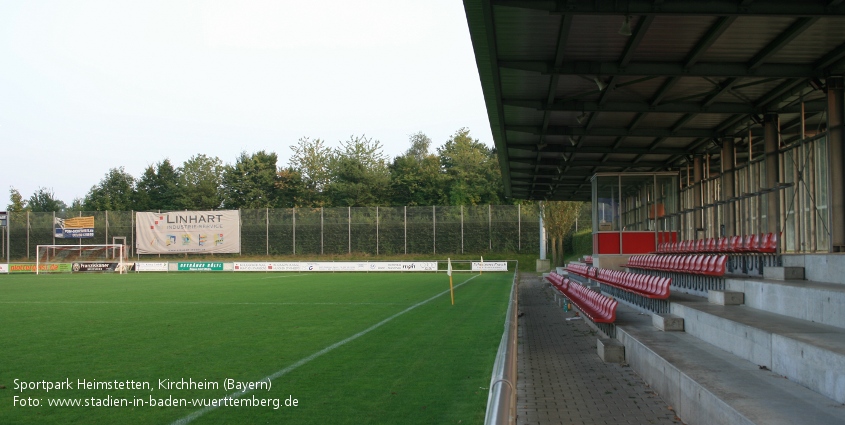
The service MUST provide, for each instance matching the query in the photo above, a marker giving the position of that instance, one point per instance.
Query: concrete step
(707, 385)
(802, 299)
(811, 354)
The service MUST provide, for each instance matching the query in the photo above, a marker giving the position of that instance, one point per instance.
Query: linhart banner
(197, 232)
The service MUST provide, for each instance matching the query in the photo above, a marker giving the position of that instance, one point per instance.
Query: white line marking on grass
(282, 372)
(184, 303)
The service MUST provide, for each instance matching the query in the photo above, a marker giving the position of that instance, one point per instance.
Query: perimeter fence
(326, 231)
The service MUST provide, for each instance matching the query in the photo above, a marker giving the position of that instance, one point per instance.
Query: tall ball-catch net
(77, 258)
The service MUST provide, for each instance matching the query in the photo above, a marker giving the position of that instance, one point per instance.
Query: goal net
(81, 258)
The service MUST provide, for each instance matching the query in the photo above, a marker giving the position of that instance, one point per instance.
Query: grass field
(349, 348)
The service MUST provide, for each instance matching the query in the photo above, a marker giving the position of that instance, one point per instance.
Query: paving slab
(562, 380)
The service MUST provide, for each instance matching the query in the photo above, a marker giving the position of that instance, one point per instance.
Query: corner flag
(449, 272)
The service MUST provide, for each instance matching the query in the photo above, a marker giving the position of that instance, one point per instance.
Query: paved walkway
(562, 380)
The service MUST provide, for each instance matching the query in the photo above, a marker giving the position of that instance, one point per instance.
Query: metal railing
(501, 398)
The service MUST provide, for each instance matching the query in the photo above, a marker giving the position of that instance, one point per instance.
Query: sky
(90, 85)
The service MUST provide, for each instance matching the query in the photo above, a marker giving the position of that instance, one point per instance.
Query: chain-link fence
(324, 231)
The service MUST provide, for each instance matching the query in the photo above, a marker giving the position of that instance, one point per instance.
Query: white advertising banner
(4, 268)
(188, 232)
(150, 267)
(251, 267)
(490, 266)
(337, 266)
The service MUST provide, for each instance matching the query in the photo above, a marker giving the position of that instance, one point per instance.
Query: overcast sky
(87, 85)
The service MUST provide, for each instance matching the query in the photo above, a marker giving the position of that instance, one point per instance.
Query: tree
(251, 181)
(200, 181)
(311, 159)
(44, 200)
(473, 171)
(416, 177)
(78, 205)
(17, 203)
(290, 188)
(559, 219)
(158, 188)
(115, 192)
(360, 174)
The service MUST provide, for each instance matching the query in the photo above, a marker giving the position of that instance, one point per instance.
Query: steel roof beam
(682, 7)
(645, 107)
(666, 69)
(621, 131)
(567, 148)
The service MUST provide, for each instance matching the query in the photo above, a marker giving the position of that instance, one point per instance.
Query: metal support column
(697, 176)
(835, 121)
(771, 143)
(728, 185)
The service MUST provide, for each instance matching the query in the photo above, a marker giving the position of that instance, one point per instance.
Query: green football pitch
(292, 348)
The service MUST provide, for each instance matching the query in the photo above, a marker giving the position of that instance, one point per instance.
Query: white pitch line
(282, 372)
(183, 303)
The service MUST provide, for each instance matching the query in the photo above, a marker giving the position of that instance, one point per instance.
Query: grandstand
(709, 138)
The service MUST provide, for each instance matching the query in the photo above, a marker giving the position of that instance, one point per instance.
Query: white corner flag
(449, 272)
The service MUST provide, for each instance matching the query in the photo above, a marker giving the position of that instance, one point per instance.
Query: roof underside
(568, 96)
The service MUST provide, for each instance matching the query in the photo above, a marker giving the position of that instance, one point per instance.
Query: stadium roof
(570, 94)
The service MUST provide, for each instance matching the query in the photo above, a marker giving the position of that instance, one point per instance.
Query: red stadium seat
(722, 245)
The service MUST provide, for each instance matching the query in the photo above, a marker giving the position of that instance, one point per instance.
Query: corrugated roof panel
(577, 88)
(525, 34)
(564, 118)
(641, 88)
(616, 119)
(691, 89)
(745, 38)
(670, 38)
(519, 84)
(522, 116)
(811, 45)
(705, 121)
(660, 120)
(596, 38)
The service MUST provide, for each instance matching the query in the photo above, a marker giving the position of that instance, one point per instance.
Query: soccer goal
(81, 258)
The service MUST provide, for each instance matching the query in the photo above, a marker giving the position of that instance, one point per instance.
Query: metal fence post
(462, 229)
(293, 212)
(519, 227)
(433, 230)
(377, 233)
(321, 230)
(349, 221)
(406, 230)
(267, 228)
(489, 227)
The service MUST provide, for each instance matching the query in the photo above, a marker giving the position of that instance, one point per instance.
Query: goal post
(81, 258)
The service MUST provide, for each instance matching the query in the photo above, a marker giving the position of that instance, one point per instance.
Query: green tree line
(463, 171)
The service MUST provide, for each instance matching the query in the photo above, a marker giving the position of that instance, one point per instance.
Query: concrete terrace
(775, 355)
(563, 381)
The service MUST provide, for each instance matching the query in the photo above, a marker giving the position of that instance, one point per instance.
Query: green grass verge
(430, 364)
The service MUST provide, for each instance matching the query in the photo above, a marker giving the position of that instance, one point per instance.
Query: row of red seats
(588, 259)
(655, 287)
(766, 243)
(597, 307)
(582, 270)
(708, 265)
